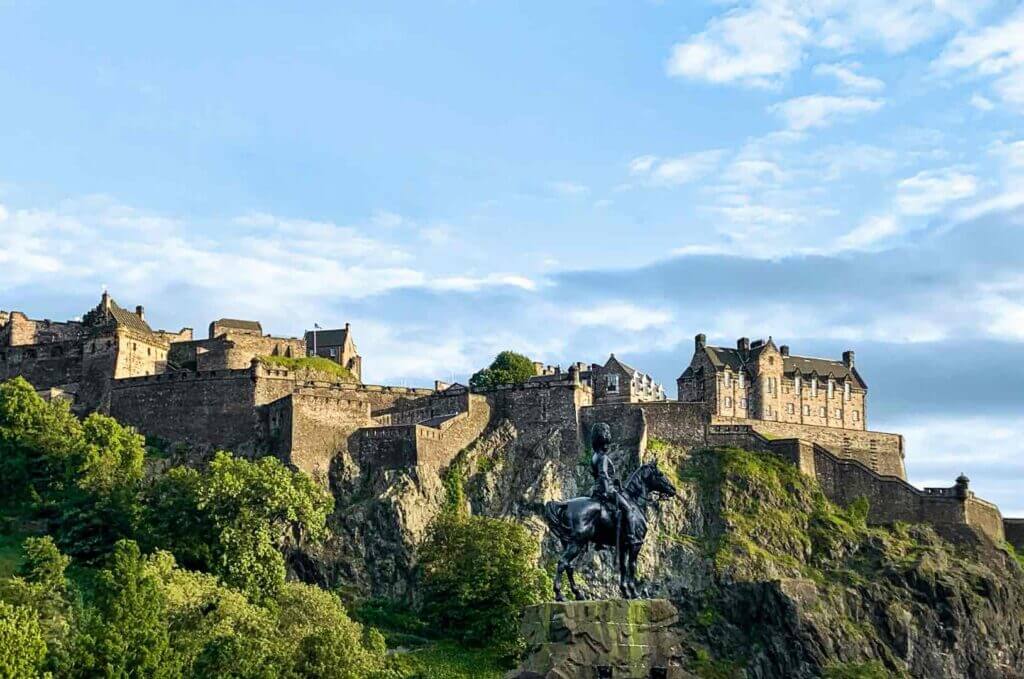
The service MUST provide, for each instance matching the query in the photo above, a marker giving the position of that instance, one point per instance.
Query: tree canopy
(508, 367)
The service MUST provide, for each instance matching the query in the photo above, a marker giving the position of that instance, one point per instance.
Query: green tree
(22, 647)
(129, 632)
(508, 367)
(36, 439)
(235, 518)
(100, 502)
(478, 574)
(328, 644)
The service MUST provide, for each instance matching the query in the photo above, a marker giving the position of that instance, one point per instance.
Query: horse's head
(655, 480)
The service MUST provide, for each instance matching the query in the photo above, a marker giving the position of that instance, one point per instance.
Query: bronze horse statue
(622, 525)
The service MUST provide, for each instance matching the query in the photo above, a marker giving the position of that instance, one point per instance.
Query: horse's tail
(554, 515)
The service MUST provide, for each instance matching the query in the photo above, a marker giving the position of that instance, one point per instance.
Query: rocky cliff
(770, 579)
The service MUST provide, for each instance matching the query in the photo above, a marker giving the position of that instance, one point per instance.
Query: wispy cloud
(995, 51)
(847, 76)
(930, 191)
(821, 110)
(569, 188)
(675, 170)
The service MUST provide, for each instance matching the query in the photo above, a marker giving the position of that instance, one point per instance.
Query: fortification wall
(310, 429)
(879, 451)
(139, 354)
(1014, 531)
(539, 409)
(20, 330)
(680, 423)
(211, 410)
(411, 411)
(628, 425)
(44, 366)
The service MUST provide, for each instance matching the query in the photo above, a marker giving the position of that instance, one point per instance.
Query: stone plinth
(584, 639)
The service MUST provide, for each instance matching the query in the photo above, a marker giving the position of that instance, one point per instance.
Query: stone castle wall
(308, 429)
(20, 330)
(1014, 530)
(879, 451)
(44, 367)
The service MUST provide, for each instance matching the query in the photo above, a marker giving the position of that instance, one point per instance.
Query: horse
(582, 521)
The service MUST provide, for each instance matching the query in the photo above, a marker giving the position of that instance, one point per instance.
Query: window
(846, 391)
(807, 410)
(612, 382)
(814, 388)
(856, 416)
(743, 403)
(790, 408)
(725, 378)
(839, 413)
(831, 388)
(822, 413)
(135, 346)
(739, 380)
(149, 351)
(728, 401)
(796, 384)
(333, 352)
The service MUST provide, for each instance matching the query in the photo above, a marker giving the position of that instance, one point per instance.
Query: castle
(222, 392)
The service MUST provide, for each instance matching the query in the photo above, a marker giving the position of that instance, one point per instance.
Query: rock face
(581, 638)
(768, 578)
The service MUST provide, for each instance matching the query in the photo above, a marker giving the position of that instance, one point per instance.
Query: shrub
(478, 575)
(508, 367)
(22, 648)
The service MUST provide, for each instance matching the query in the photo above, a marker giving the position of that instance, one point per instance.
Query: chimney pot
(700, 341)
(140, 311)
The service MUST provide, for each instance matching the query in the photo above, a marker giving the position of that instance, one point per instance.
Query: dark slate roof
(128, 319)
(629, 369)
(327, 338)
(240, 324)
(734, 359)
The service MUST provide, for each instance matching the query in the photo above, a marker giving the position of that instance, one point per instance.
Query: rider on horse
(606, 484)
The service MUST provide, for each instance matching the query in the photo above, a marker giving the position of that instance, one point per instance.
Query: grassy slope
(312, 364)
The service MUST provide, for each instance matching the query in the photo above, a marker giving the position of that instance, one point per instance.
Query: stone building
(232, 344)
(616, 382)
(759, 381)
(78, 359)
(336, 345)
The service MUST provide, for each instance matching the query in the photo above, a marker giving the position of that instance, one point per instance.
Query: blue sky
(565, 179)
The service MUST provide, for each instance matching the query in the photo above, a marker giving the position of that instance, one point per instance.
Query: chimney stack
(848, 358)
(140, 312)
(784, 350)
(105, 301)
(743, 344)
(700, 341)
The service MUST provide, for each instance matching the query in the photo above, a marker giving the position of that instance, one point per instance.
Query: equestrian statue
(614, 515)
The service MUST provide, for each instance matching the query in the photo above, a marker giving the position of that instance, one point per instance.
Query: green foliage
(447, 660)
(508, 367)
(234, 518)
(36, 438)
(454, 479)
(478, 575)
(310, 364)
(129, 634)
(22, 648)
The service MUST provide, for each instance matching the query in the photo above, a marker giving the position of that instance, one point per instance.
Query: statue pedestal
(616, 638)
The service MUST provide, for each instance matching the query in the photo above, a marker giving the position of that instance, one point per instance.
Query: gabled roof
(252, 326)
(327, 338)
(128, 319)
(735, 359)
(629, 369)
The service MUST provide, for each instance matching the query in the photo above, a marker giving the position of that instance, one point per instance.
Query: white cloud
(752, 46)
(621, 315)
(678, 170)
(758, 43)
(928, 192)
(994, 51)
(474, 283)
(753, 172)
(869, 232)
(982, 103)
(846, 74)
(569, 189)
(820, 110)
